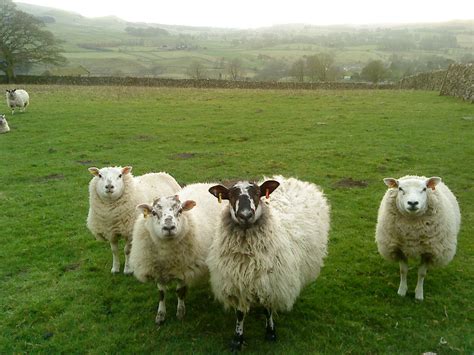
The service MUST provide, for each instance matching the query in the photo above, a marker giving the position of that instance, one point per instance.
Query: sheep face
(412, 194)
(244, 198)
(11, 94)
(164, 218)
(110, 185)
(3, 120)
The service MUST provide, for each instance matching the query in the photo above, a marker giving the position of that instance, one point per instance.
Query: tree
(24, 42)
(297, 70)
(196, 71)
(318, 66)
(235, 69)
(374, 71)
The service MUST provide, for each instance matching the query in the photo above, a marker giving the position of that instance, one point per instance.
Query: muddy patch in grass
(351, 183)
(183, 156)
(51, 177)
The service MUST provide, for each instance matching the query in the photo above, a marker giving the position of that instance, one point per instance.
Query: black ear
(220, 192)
(268, 187)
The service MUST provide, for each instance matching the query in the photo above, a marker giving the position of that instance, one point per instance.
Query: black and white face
(2, 120)
(11, 94)
(244, 199)
(164, 218)
(412, 194)
(110, 185)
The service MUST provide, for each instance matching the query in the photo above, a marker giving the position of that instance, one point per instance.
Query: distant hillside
(112, 46)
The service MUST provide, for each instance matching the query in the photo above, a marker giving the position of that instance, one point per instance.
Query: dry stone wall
(189, 83)
(459, 82)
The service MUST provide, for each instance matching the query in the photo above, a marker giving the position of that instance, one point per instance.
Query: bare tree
(319, 66)
(235, 69)
(297, 70)
(196, 70)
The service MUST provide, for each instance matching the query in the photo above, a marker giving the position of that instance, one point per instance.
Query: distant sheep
(17, 98)
(266, 250)
(4, 128)
(113, 196)
(171, 241)
(418, 218)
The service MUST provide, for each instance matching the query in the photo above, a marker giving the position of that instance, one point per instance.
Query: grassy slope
(57, 293)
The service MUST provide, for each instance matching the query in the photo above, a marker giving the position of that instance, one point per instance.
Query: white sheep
(114, 194)
(4, 128)
(266, 251)
(418, 218)
(171, 241)
(17, 98)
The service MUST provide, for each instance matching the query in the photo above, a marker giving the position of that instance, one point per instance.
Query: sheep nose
(168, 228)
(412, 203)
(109, 187)
(245, 214)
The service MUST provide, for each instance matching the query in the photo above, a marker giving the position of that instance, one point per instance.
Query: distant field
(57, 294)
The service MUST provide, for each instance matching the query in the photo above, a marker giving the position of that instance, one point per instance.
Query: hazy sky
(260, 13)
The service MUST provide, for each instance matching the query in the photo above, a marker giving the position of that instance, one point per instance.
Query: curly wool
(183, 258)
(108, 219)
(433, 233)
(270, 262)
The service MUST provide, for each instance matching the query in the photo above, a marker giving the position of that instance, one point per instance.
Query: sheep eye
(424, 189)
(153, 213)
(400, 189)
(120, 176)
(100, 176)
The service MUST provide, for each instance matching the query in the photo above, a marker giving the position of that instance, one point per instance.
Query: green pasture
(57, 294)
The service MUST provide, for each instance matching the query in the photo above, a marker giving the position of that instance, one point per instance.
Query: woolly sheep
(114, 194)
(4, 128)
(17, 98)
(418, 218)
(266, 251)
(171, 241)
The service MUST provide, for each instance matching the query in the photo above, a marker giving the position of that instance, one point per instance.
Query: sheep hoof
(419, 296)
(402, 291)
(128, 270)
(270, 335)
(160, 318)
(237, 343)
(115, 270)
(181, 311)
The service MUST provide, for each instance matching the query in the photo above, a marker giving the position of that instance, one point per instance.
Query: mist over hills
(112, 46)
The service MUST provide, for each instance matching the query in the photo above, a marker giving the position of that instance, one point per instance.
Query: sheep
(4, 128)
(171, 240)
(17, 98)
(114, 194)
(266, 251)
(418, 218)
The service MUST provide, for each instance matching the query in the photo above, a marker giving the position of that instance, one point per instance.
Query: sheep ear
(391, 182)
(220, 191)
(188, 205)
(432, 182)
(145, 209)
(268, 187)
(94, 171)
(126, 170)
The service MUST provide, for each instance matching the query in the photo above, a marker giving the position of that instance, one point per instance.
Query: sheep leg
(238, 340)
(115, 255)
(161, 314)
(128, 246)
(270, 333)
(421, 278)
(402, 289)
(181, 290)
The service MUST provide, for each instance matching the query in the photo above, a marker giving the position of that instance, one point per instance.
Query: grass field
(57, 294)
